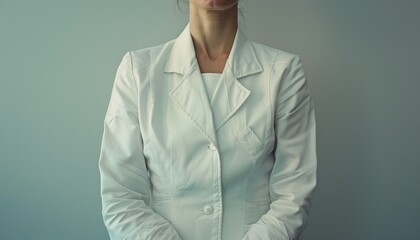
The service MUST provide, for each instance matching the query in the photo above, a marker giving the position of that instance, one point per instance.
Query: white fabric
(174, 165)
(210, 82)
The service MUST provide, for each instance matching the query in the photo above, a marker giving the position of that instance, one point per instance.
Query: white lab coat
(175, 164)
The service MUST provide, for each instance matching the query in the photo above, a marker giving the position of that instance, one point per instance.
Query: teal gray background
(57, 65)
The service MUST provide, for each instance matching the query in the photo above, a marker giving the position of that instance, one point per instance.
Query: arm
(293, 177)
(125, 185)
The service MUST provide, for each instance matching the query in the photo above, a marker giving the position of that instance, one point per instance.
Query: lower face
(214, 4)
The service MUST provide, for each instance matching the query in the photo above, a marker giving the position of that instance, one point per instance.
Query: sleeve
(125, 185)
(293, 177)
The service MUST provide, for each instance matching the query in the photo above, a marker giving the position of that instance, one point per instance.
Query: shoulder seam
(132, 72)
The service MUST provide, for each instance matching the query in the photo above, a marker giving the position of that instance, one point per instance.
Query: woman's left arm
(293, 177)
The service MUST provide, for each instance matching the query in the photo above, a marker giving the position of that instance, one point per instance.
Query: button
(212, 147)
(208, 210)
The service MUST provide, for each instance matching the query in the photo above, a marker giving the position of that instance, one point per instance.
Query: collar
(242, 58)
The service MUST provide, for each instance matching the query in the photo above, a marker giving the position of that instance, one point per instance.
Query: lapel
(190, 94)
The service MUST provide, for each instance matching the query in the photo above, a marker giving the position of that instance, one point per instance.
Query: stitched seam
(273, 109)
(201, 130)
(132, 74)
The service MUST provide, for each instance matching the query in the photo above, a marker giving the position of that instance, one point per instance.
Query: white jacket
(176, 165)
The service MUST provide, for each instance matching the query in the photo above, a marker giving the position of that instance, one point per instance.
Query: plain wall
(57, 65)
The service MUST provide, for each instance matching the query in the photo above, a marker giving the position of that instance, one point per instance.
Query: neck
(213, 32)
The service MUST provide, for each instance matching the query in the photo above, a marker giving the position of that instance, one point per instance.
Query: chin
(215, 4)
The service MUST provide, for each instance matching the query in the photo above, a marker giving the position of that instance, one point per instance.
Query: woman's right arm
(125, 185)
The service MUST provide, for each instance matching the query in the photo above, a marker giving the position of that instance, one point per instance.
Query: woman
(208, 136)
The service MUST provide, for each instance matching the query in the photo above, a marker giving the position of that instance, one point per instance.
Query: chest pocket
(253, 145)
